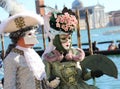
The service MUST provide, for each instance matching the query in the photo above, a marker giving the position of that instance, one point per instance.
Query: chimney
(38, 9)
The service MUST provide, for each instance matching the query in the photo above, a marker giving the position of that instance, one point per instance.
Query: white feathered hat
(20, 18)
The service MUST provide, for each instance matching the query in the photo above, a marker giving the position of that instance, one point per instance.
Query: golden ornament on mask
(20, 23)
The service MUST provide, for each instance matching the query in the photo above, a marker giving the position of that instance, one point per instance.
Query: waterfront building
(114, 18)
(97, 17)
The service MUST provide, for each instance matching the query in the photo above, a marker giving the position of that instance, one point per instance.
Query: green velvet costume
(64, 62)
(70, 76)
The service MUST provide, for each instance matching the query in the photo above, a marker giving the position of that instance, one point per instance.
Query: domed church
(77, 4)
(97, 16)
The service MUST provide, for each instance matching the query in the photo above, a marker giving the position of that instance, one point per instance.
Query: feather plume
(11, 6)
(49, 9)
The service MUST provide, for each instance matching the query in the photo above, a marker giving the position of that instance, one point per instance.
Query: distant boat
(112, 32)
(104, 52)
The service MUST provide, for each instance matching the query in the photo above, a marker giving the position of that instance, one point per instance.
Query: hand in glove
(54, 83)
(96, 73)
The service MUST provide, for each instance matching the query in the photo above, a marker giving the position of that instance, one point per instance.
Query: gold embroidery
(72, 80)
(17, 51)
(37, 82)
(20, 23)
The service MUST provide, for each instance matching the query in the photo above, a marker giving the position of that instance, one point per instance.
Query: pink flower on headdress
(66, 22)
(57, 25)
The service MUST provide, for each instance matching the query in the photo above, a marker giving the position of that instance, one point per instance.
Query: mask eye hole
(63, 38)
(69, 38)
(29, 34)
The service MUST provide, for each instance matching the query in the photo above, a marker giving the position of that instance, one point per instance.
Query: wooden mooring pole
(78, 28)
(43, 36)
(3, 48)
(41, 11)
(89, 39)
(88, 28)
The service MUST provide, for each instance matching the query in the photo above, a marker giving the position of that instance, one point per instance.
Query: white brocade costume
(17, 73)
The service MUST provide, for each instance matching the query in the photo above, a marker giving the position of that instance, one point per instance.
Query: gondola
(104, 52)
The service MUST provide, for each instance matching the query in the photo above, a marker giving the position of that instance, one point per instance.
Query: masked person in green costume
(62, 61)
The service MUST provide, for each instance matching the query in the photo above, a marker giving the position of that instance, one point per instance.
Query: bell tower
(38, 9)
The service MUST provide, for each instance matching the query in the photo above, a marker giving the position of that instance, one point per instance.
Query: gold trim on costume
(37, 83)
(18, 51)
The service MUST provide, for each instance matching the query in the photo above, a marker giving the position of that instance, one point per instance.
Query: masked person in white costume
(62, 61)
(23, 67)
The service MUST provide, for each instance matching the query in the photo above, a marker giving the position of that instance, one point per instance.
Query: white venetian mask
(30, 37)
(65, 41)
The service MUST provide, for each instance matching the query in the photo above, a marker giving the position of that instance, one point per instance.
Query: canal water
(98, 35)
